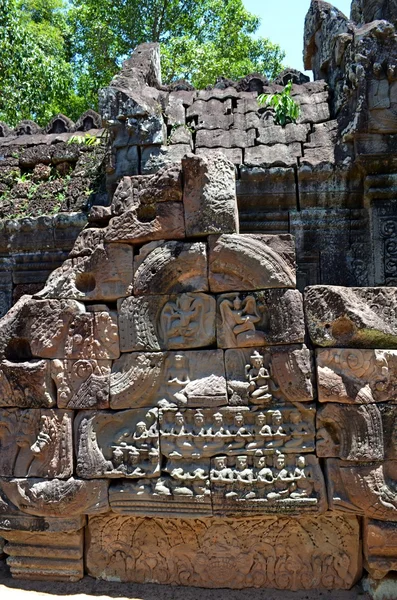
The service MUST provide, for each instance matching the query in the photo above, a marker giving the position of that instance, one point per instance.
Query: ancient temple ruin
(200, 387)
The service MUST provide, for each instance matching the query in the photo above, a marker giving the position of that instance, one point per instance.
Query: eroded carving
(117, 444)
(36, 443)
(82, 384)
(308, 553)
(380, 542)
(26, 384)
(93, 335)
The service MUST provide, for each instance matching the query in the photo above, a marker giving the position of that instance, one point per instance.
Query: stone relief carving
(82, 384)
(56, 497)
(283, 553)
(267, 482)
(367, 489)
(93, 335)
(203, 433)
(259, 318)
(172, 267)
(135, 379)
(26, 384)
(117, 444)
(355, 376)
(167, 322)
(380, 541)
(36, 443)
(261, 376)
(251, 262)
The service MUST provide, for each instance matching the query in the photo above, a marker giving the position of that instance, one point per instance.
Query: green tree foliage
(56, 54)
(36, 76)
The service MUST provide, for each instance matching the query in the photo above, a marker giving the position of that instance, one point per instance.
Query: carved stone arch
(89, 120)
(5, 131)
(60, 124)
(27, 127)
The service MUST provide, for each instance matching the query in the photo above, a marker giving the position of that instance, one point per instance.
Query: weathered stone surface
(275, 134)
(92, 335)
(167, 322)
(366, 489)
(106, 274)
(261, 318)
(209, 195)
(366, 11)
(278, 155)
(189, 378)
(154, 158)
(232, 138)
(117, 444)
(267, 483)
(379, 545)
(26, 384)
(82, 384)
(45, 556)
(251, 262)
(233, 155)
(233, 431)
(357, 432)
(353, 376)
(145, 219)
(260, 190)
(352, 317)
(265, 377)
(320, 552)
(36, 443)
(56, 497)
(171, 268)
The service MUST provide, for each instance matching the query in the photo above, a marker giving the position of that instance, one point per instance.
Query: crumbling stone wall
(173, 407)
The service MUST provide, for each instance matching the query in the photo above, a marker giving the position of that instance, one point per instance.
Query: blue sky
(282, 22)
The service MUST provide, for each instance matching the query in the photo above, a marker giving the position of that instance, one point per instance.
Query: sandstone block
(209, 195)
(93, 335)
(278, 155)
(36, 443)
(106, 274)
(266, 318)
(260, 190)
(233, 155)
(154, 158)
(365, 489)
(290, 134)
(352, 317)
(117, 444)
(167, 322)
(267, 483)
(189, 378)
(233, 431)
(226, 553)
(45, 556)
(144, 219)
(353, 376)
(251, 262)
(171, 268)
(26, 384)
(263, 377)
(56, 497)
(379, 545)
(356, 432)
(232, 138)
(82, 384)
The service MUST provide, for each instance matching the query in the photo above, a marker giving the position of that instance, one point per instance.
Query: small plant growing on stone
(286, 110)
(85, 140)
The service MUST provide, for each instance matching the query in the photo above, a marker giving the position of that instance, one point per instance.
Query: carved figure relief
(117, 444)
(203, 433)
(355, 376)
(152, 323)
(283, 553)
(267, 482)
(36, 443)
(26, 384)
(242, 321)
(93, 335)
(261, 377)
(82, 384)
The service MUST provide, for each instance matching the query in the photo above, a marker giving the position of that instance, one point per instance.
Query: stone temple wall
(175, 407)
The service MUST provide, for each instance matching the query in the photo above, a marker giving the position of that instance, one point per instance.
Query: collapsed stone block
(380, 542)
(172, 267)
(353, 376)
(251, 262)
(36, 443)
(117, 444)
(260, 318)
(365, 489)
(352, 317)
(209, 195)
(167, 322)
(45, 556)
(189, 378)
(264, 377)
(232, 553)
(57, 498)
(26, 384)
(82, 384)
